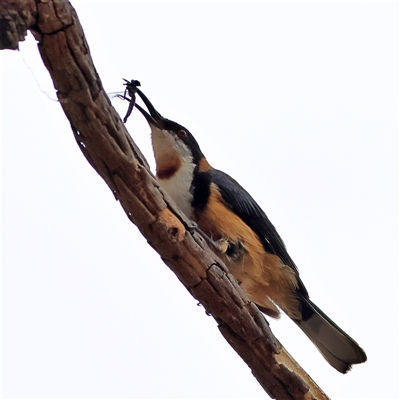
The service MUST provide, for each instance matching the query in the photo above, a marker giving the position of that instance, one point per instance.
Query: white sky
(297, 101)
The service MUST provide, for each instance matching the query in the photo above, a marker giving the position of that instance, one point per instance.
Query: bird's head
(173, 144)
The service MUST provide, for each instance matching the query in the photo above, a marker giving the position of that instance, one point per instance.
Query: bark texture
(106, 144)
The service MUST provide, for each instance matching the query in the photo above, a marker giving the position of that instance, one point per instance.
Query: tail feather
(337, 347)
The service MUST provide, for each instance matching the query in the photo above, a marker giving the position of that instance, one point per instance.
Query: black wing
(242, 204)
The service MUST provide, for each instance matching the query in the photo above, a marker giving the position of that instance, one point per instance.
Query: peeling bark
(106, 144)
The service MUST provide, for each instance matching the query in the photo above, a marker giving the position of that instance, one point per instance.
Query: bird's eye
(182, 133)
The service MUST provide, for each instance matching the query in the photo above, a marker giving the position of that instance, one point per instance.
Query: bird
(247, 241)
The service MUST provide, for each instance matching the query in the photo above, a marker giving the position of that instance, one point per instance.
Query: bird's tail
(338, 348)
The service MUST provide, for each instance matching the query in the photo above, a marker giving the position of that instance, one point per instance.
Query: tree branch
(106, 144)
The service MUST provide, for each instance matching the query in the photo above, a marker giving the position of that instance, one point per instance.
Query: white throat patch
(178, 187)
(166, 148)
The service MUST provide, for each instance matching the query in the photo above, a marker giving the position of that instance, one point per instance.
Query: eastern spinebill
(249, 244)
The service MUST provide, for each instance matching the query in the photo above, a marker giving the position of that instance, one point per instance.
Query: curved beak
(154, 118)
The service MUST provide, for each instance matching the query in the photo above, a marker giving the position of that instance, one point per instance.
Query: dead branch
(106, 144)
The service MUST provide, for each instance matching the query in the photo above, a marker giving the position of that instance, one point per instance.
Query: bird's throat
(168, 168)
